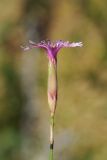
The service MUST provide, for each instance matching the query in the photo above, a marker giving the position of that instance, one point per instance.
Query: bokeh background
(81, 116)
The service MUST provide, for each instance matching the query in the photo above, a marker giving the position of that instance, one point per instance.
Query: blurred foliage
(82, 74)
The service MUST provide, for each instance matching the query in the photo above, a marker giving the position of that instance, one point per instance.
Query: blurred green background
(81, 115)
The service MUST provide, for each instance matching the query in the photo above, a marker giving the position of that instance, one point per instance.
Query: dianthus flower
(52, 48)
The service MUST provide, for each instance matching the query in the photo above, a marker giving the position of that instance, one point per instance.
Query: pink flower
(51, 48)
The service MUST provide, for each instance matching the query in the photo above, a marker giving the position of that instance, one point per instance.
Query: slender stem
(52, 100)
(51, 138)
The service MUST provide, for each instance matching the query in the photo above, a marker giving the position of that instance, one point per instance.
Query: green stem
(51, 138)
(52, 100)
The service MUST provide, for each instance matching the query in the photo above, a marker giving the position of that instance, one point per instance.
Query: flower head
(51, 48)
